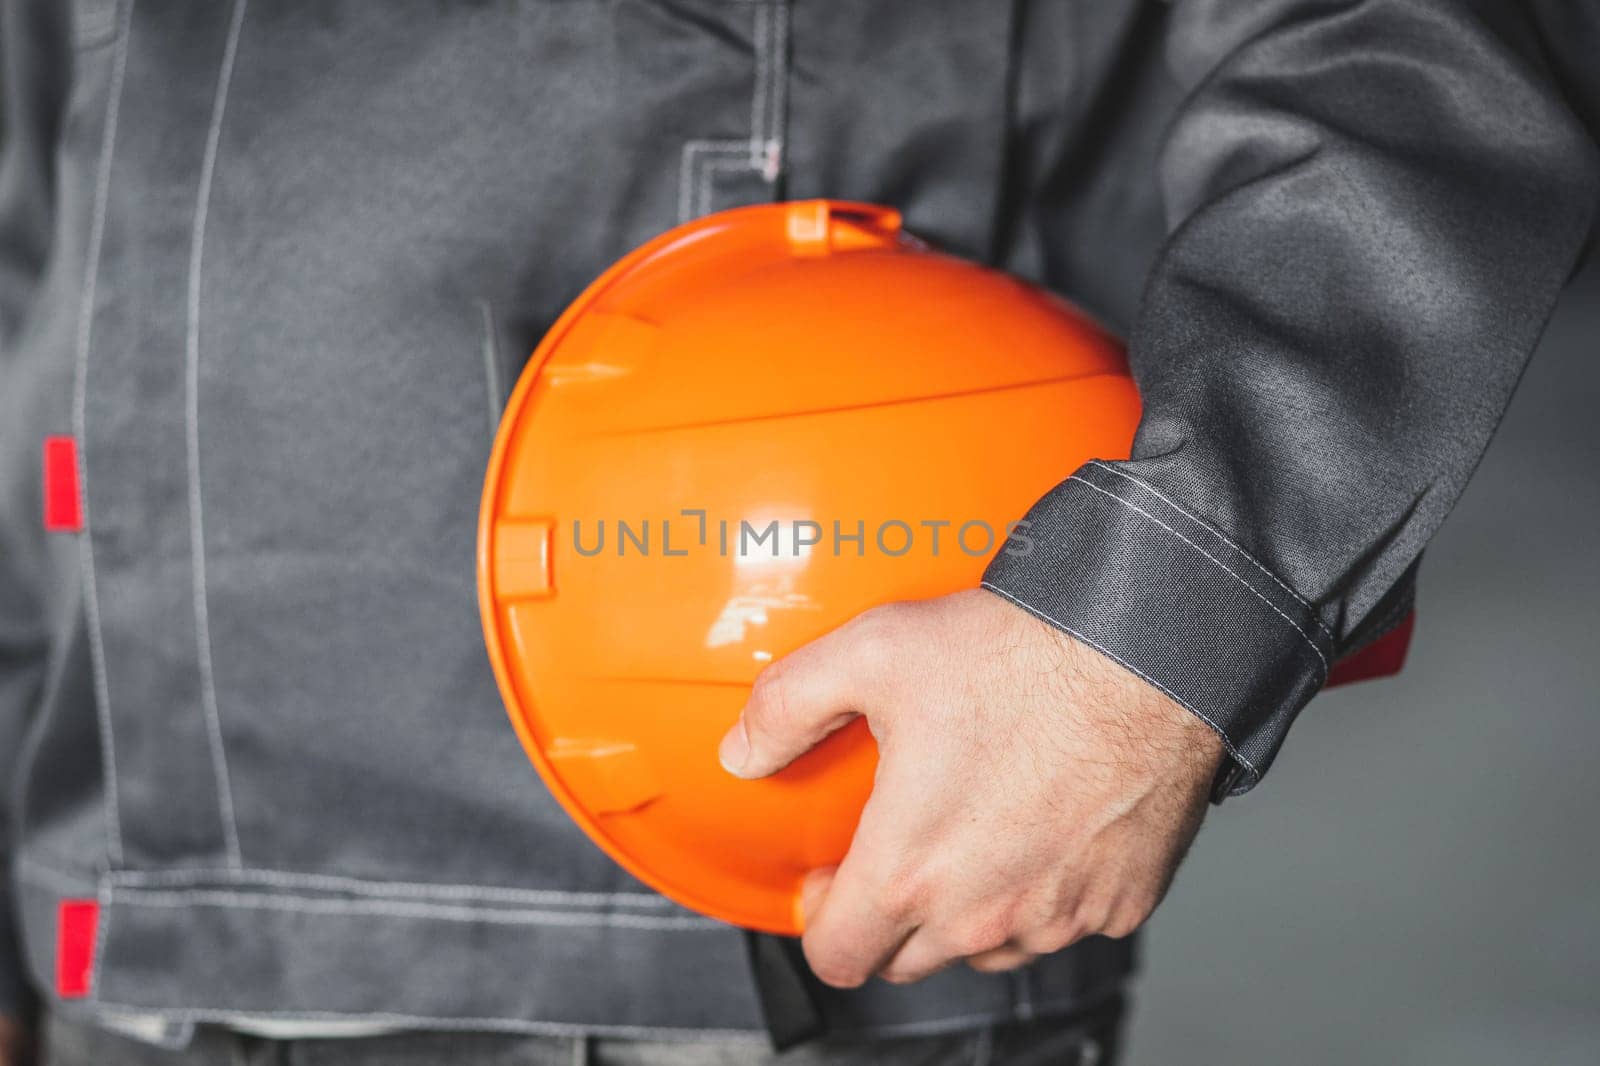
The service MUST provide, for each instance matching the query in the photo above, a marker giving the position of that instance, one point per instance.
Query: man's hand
(1030, 791)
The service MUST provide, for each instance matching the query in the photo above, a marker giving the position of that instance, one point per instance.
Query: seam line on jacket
(567, 1029)
(103, 893)
(416, 889)
(80, 420)
(777, 128)
(762, 150)
(759, 20)
(191, 412)
(691, 176)
(1220, 536)
(1120, 661)
(444, 1022)
(1323, 659)
(770, 34)
(491, 366)
(407, 909)
(68, 881)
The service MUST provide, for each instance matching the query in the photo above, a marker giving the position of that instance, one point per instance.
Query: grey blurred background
(1418, 879)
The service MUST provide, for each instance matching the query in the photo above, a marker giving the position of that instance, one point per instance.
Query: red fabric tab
(77, 921)
(61, 510)
(1382, 658)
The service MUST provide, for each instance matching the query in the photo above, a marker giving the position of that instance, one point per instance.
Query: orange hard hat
(740, 436)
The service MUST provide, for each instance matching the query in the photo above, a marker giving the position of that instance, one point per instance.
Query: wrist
(1119, 566)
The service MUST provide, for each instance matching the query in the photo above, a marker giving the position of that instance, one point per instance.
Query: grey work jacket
(269, 266)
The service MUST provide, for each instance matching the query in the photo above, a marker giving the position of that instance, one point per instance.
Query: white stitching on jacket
(1221, 536)
(780, 96)
(759, 29)
(102, 925)
(1119, 660)
(97, 230)
(762, 151)
(70, 883)
(413, 889)
(690, 176)
(564, 1029)
(1253, 591)
(491, 366)
(770, 34)
(423, 1021)
(191, 413)
(400, 909)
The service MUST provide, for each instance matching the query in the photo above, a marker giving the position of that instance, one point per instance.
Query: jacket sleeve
(33, 74)
(1372, 206)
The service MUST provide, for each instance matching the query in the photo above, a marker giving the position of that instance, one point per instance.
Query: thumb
(795, 703)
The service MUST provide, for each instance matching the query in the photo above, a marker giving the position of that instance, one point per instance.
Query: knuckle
(769, 695)
(982, 933)
(875, 640)
(901, 892)
(872, 659)
(1125, 921)
(1094, 917)
(1057, 935)
(1061, 930)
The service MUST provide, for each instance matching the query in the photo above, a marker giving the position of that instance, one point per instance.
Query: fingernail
(735, 749)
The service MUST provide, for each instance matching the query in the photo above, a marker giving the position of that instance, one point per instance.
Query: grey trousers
(1075, 1041)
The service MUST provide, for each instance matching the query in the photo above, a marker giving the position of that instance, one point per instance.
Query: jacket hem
(243, 955)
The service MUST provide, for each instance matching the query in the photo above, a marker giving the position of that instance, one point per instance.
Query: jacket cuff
(1121, 567)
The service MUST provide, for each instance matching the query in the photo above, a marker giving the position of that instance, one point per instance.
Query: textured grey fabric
(274, 263)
